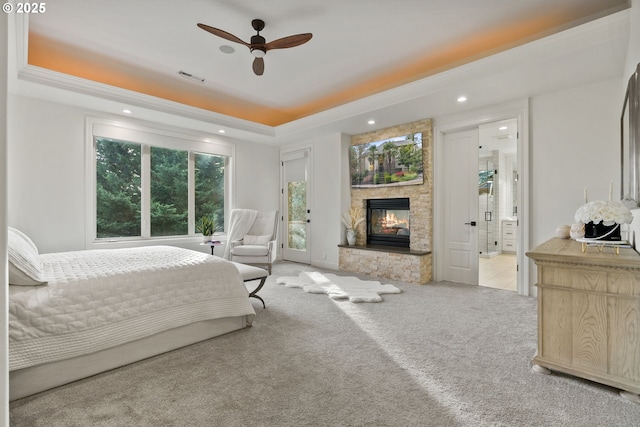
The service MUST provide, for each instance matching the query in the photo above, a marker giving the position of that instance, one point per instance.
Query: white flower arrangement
(352, 218)
(608, 212)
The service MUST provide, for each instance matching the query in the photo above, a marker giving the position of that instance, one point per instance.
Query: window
(209, 187)
(169, 192)
(154, 185)
(117, 189)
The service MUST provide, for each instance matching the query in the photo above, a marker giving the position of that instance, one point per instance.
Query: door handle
(471, 223)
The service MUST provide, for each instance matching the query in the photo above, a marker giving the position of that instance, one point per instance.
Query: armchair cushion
(250, 239)
(250, 250)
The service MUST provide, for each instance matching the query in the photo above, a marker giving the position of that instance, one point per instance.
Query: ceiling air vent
(191, 77)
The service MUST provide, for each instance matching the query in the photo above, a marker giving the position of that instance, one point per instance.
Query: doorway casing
(518, 110)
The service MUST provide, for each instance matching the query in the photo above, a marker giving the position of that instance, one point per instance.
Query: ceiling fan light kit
(258, 46)
(258, 53)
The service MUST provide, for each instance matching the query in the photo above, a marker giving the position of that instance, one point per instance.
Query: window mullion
(145, 182)
(191, 202)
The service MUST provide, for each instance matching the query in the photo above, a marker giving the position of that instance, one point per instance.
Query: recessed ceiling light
(222, 131)
(127, 111)
(462, 99)
(226, 49)
(372, 122)
(503, 128)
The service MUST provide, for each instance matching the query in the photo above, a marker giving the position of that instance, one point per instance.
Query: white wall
(46, 173)
(574, 144)
(4, 306)
(46, 183)
(257, 176)
(327, 179)
(633, 52)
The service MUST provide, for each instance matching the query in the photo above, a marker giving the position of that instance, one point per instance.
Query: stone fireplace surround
(413, 265)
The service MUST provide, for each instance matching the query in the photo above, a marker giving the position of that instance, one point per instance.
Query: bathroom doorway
(497, 204)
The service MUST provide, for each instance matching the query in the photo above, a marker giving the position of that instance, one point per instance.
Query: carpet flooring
(437, 355)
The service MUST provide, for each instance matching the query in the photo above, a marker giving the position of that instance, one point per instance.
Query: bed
(76, 314)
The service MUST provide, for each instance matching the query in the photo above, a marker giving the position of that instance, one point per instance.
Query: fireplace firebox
(388, 222)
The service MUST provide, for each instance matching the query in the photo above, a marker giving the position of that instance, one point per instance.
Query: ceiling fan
(258, 45)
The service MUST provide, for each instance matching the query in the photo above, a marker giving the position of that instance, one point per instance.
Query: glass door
(497, 197)
(296, 206)
(487, 234)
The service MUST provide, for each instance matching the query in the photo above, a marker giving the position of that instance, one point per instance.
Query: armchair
(257, 246)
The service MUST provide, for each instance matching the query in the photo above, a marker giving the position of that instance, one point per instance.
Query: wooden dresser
(589, 313)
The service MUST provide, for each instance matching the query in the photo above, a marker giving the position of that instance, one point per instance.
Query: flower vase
(351, 236)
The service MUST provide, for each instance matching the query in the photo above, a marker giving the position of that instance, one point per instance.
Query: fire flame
(391, 220)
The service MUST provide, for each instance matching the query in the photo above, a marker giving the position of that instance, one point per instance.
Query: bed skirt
(35, 379)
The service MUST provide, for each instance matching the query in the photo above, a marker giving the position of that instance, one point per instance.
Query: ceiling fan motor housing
(257, 46)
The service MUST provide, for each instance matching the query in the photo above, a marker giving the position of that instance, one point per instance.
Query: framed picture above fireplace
(388, 162)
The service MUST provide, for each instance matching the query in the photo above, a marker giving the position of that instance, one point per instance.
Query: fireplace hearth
(388, 222)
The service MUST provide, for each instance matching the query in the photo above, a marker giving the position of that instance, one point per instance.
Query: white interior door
(295, 206)
(461, 206)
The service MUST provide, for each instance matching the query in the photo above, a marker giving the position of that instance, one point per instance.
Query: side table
(212, 244)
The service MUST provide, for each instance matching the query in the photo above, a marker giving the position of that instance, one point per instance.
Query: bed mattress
(99, 299)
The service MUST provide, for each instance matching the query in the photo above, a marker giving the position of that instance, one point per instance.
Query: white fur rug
(338, 287)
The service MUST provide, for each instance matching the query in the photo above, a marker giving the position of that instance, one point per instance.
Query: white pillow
(257, 240)
(24, 261)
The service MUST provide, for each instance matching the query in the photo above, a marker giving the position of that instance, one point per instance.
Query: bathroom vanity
(509, 237)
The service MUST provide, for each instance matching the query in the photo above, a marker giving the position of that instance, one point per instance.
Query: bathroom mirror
(630, 142)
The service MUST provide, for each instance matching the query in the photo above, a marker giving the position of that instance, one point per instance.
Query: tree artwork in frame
(390, 162)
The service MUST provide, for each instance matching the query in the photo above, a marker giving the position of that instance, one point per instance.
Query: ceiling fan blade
(220, 33)
(290, 41)
(258, 66)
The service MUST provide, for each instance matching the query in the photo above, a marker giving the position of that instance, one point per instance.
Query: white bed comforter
(98, 299)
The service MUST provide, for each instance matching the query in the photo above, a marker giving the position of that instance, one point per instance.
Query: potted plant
(206, 227)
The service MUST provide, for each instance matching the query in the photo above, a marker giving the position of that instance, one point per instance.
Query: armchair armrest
(273, 250)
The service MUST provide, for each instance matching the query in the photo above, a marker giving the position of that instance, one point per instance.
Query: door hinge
(282, 245)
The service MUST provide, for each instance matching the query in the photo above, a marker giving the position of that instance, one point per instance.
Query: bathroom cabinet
(509, 228)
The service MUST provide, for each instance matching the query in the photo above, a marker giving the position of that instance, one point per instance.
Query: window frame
(158, 136)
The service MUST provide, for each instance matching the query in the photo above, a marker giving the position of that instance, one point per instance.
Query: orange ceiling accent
(448, 57)
(47, 53)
